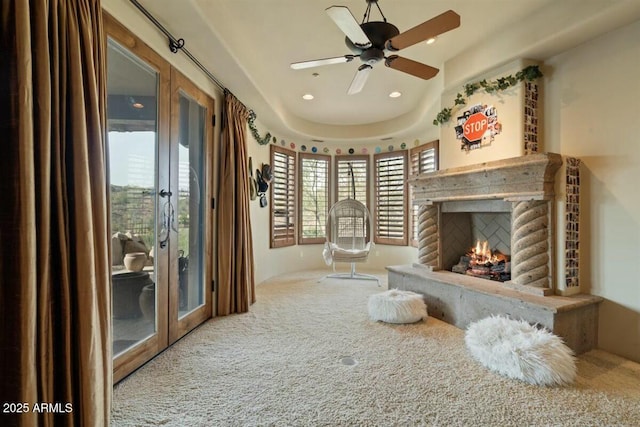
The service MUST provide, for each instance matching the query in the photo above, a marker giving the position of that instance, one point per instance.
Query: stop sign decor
(475, 126)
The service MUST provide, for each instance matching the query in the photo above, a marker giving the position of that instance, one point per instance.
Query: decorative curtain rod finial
(175, 45)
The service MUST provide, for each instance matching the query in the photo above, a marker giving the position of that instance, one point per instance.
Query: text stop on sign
(475, 126)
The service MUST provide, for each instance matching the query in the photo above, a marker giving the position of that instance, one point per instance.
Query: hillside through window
(314, 197)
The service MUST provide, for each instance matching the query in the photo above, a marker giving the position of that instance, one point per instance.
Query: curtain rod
(178, 44)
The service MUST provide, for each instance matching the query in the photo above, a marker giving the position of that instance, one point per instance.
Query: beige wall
(509, 105)
(592, 111)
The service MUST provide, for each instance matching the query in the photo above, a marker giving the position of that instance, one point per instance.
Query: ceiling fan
(370, 40)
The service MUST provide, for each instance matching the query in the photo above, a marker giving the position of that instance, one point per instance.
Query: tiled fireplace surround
(518, 196)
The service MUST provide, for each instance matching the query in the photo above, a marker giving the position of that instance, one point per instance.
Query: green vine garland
(529, 73)
(254, 130)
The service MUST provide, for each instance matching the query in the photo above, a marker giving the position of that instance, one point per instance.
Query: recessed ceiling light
(395, 94)
(134, 103)
(307, 96)
(432, 40)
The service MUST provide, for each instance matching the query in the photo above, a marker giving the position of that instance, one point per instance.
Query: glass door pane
(133, 147)
(190, 209)
(190, 296)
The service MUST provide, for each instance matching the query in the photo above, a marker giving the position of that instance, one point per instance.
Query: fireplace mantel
(529, 177)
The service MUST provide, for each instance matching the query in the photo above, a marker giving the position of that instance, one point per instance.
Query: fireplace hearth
(460, 299)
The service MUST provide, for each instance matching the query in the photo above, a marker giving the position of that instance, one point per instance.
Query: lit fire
(481, 254)
(483, 263)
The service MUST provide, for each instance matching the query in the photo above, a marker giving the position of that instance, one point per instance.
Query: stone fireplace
(521, 189)
(509, 203)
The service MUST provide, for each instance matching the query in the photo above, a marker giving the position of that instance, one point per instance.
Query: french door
(160, 133)
(190, 230)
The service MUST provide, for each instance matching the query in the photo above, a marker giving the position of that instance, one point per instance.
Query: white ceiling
(249, 44)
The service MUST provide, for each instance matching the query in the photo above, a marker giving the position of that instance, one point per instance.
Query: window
(344, 183)
(390, 198)
(424, 158)
(283, 195)
(314, 197)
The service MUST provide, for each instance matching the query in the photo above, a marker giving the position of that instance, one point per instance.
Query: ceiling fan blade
(343, 18)
(319, 62)
(433, 27)
(412, 67)
(359, 79)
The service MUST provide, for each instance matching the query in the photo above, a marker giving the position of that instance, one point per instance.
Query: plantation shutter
(390, 198)
(283, 203)
(344, 188)
(314, 197)
(424, 159)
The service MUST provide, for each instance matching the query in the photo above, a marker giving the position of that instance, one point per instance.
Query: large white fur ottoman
(518, 350)
(394, 306)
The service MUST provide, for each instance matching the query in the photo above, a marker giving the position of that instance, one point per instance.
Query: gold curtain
(55, 301)
(236, 288)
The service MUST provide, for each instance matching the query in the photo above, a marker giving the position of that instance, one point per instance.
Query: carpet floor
(307, 355)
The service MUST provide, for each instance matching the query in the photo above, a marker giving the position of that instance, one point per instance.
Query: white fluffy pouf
(394, 306)
(518, 350)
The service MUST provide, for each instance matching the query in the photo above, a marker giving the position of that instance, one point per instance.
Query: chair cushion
(518, 350)
(339, 254)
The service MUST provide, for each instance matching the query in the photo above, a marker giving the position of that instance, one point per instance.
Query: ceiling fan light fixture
(370, 40)
(307, 97)
(395, 94)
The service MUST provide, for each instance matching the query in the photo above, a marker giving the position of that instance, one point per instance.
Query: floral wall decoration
(477, 127)
(528, 74)
(254, 131)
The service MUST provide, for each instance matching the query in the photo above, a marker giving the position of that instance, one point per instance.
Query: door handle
(168, 218)
(167, 223)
